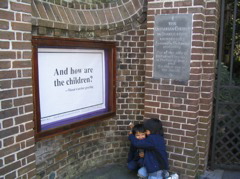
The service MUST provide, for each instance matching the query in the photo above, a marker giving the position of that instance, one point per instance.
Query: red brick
(154, 104)
(22, 82)
(27, 73)
(60, 156)
(177, 119)
(169, 11)
(6, 84)
(175, 143)
(8, 141)
(205, 107)
(21, 45)
(190, 114)
(63, 14)
(27, 36)
(21, 26)
(26, 169)
(165, 99)
(21, 7)
(31, 158)
(184, 3)
(27, 55)
(30, 142)
(192, 89)
(9, 159)
(7, 35)
(26, 152)
(7, 15)
(183, 10)
(188, 139)
(165, 93)
(8, 168)
(41, 9)
(178, 94)
(26, 18)
(8, 132)
(166, 87)
(7, 123)
(4, 25)
(22, 64)
(176, 131)
(28, 91)
(22, 101)
(178, 107)
(7, 74)
(8, 113)
(9, 150)
(164, 105)
(31, 174)
(4, 4)
(178, 157)
(8, 94)
(23, 119)
(189, 127)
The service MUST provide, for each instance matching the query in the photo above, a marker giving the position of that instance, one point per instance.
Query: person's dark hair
(154, 125)
(138, 128)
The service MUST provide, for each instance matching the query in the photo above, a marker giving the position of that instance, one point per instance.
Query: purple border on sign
(87, 115)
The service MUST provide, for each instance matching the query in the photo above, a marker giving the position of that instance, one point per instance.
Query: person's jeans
(156, 175)
(160, 174)
(142, 172)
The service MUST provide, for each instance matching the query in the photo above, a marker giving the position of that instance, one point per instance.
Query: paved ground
(115, 171)
(221, 174)
(109, 172)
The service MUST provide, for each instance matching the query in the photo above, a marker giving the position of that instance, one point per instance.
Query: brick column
(207, 79)
(17, 145)
(185, 109)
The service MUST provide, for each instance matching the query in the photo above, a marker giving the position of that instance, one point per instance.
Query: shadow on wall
(80, 151)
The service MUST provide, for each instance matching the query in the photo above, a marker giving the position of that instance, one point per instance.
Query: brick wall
(208, 75)
(103, 142)
(185, 109)
(17, 158)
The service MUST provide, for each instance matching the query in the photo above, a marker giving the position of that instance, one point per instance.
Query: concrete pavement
(113, 171)
(116, 171)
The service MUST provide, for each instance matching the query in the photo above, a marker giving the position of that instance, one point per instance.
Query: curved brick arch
(86, 4)
(92, 20)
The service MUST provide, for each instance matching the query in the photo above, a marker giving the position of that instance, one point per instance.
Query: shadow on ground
(113, 171)
(221, 174)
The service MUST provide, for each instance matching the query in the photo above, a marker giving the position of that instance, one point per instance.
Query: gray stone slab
(172, 46)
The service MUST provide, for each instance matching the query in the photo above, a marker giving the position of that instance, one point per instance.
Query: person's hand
(141, 154)
(131, 125)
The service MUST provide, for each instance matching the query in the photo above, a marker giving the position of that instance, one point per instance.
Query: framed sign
(74, 83)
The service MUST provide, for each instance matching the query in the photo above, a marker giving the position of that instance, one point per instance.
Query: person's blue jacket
(155, 156)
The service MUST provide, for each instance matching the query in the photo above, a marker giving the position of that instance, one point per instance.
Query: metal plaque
(172, 46)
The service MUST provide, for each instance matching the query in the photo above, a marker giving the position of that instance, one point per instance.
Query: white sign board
(71, 83)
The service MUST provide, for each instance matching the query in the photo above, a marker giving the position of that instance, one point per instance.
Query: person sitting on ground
(155, 165)
(136, 155)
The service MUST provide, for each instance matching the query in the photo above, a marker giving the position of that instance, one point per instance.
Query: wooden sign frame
(75, 70)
